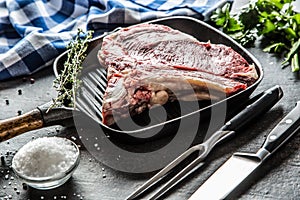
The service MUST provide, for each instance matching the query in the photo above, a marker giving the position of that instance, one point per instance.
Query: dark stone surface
(278, 178)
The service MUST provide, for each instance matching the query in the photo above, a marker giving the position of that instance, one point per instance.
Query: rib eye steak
(149, 64)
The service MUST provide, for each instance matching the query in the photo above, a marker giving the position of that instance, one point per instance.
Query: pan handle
(20, 124)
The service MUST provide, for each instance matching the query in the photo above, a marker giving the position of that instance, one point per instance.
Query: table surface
(278, 178)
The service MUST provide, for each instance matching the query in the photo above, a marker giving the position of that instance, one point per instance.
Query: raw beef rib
(150, 64)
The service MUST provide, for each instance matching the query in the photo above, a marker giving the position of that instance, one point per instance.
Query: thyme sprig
(67, 83)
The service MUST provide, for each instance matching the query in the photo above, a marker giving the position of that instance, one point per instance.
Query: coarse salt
(46, 156)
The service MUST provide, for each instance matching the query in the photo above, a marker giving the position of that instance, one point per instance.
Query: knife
(225, 182)
(257, 106)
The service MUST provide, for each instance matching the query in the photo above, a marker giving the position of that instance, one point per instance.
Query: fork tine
(185, 172)
(162, 172)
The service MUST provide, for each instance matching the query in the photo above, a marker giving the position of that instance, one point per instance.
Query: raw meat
(150, 64)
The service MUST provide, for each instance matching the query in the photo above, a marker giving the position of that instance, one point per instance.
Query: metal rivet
(273, 137)
(288, 121)
(228, 123)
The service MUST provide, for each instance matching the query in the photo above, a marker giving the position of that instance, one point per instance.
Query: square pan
(201, 31)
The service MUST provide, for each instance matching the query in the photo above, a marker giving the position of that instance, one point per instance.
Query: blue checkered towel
(34, 32)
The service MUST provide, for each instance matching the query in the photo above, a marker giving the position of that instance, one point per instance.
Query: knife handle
(284, 130)
(266, 101)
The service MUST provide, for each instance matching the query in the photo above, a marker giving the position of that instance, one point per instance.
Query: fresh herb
(272, 20)
(67, 83)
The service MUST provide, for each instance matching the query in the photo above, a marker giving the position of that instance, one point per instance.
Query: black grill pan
(94, 83)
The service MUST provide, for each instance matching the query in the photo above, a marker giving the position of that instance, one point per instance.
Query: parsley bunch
(273, 20)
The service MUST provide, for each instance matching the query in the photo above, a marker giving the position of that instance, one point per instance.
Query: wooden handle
(17, 125)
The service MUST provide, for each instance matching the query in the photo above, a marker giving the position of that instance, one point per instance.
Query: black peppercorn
(32, 80)
(2, 160)
(24, 186)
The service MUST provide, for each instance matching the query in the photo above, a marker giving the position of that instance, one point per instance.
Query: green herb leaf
(249, 18)
(67, 83)
(292, 52)
(268, 27)
(277, 47)
(273, 20)
(233, 25)
(295, 63)
(296, 17)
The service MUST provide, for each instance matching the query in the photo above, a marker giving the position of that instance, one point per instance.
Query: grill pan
(94, 81)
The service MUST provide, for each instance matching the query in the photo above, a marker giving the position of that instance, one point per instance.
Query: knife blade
(236, 170)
